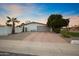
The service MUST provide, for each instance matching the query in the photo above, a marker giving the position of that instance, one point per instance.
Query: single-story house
(76, 28)
(36, 27)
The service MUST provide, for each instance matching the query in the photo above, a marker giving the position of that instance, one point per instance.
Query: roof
(35, 23)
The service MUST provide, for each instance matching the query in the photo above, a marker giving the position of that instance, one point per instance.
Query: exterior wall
(7, 30)
(31, 27)
(34, 27)
(18, 29)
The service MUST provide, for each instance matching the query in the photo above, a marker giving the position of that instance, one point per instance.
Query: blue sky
(38, 11)
(46, 8)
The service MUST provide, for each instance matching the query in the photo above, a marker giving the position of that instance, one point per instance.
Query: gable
(35, 23)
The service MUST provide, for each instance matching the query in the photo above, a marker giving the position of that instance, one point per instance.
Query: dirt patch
(19, 36)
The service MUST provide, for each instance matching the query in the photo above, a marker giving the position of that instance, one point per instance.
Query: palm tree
(13, 20)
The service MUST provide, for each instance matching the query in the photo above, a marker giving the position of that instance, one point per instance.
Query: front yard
(69, 36)
(74, 34)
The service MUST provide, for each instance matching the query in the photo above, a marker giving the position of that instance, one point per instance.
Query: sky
(39, 11)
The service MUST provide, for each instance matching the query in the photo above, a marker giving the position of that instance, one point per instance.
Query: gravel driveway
(45, 37)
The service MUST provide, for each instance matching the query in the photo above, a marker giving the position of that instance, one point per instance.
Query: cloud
(23, 12)
(32, 12)
(13, 9)
(2, 20)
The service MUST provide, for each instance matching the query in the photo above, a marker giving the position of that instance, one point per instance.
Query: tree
(56, 22)
(13, 21)
(10, 25)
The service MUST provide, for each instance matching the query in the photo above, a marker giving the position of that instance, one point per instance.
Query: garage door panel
(42, 28)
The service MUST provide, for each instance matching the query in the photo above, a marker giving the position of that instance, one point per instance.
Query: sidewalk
(38, 48)
(38, 43)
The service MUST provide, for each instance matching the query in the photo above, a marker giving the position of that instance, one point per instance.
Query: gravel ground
(19, 36)
(45, 37)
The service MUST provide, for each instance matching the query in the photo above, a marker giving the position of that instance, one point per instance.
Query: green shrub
(74, 34)
(57, 30)
(65, 33)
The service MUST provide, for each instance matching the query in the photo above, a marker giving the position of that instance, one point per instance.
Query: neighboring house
(36, 27)
(74, 28)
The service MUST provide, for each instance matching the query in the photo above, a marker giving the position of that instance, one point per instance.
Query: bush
(65, 33)
(57, 30)
(74, 34)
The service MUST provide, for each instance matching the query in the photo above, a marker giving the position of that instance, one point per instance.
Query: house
(36, 27)
(74, 29)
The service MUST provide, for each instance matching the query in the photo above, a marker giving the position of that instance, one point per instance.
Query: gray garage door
(42, 29)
